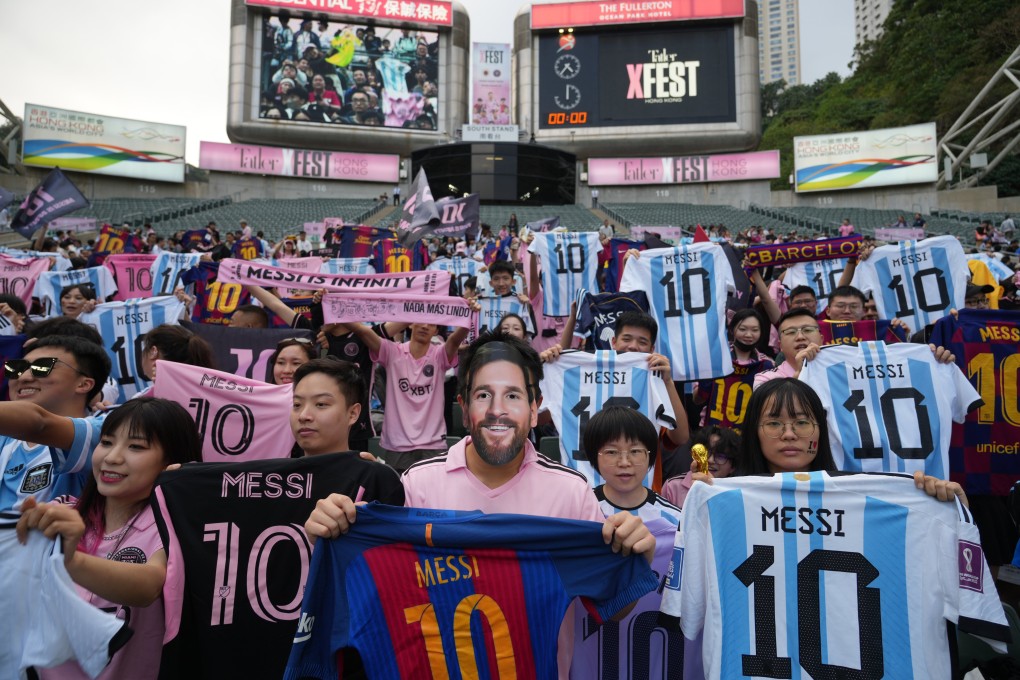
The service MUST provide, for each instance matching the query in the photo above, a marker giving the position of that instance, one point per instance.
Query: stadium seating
(688, 215)
(573, 217)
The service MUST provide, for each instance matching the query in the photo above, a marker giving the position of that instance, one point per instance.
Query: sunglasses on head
(15, 368)
(300, 341)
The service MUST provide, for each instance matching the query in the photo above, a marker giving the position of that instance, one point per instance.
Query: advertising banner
(87, 142)
(73, 224)
(490, 84)
(489, 133)
(733, 167)
(899, 234)
(669, 234)
(318, 165)
(861, 160)
(558, 15)
(677, 76)
(435, 12)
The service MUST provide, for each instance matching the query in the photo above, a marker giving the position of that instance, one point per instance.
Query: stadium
(648, 361)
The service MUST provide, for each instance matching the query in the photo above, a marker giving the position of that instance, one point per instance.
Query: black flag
(55, 196)
(548, 224)
(419, 213)
(457, 217)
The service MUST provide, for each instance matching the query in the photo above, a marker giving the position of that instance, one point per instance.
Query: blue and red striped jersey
(215, 302)
(446, 594)
(248, 248)
(852, 332)
(983, 450)
(389, 257)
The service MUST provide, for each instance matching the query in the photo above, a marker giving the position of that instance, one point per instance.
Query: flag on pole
(55, 196)
(419, 212)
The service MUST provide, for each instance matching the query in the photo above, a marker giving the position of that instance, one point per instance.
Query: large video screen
(676, 76)
(320, 71)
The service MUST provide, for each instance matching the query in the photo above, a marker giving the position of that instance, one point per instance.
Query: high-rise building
(778, 41)
(869, 15)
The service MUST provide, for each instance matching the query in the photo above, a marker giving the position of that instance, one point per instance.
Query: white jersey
(916, 281)
(123, 326)
(348, 265)
(999, 270)
(580, 384)
(48, 623)
(461, 269)
(686, 290)
(49, 285)
(822, 276)
(570, 262)
(890, 407)
(809, 575)
(168, 268)
(493, 309)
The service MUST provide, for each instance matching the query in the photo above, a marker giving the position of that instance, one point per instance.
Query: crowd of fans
(325, 72)
(57, 398)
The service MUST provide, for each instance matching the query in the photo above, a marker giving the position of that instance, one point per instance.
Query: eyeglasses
(614, 456)
(846, 307)
(15, 368)
(777, 428)
(794, 332)
(977, 303)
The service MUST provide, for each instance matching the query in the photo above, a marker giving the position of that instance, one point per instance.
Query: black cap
(974, 291)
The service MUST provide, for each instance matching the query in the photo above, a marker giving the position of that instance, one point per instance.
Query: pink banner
(432, 12)
(597, 13)
(671, 234)
(490, 84)
(318, 165)
(438, 310)
(315, 230)
(73, 224)
(252, 273)
(896, 234)
(733, 167)
(239, 418)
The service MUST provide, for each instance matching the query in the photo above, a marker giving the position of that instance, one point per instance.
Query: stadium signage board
(682, 75)
(435, 12)
(304, 163)
(734, 167)
(73, 224)
(866, 159)
(895, 235)
(490, 133)
(105, 145)
(572, 14)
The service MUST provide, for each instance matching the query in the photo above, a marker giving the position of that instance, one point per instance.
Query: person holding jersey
(112, 548)
(77, 299)
(171, 342)
(290, 355)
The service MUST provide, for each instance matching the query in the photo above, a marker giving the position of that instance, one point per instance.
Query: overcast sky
(168, 61)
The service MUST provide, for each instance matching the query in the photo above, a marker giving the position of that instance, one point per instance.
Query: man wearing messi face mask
(496, 469)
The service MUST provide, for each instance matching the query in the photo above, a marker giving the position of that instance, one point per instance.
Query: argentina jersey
(889, 407)
(822, 276)
(916, 281)
(348, 265)
(49, 285)
(123, 326)
(569, 264)
(580, 384)
(461, 269)
(493, 309)
(999, 270)
(168, 268)
(687, 288)
(812, 575)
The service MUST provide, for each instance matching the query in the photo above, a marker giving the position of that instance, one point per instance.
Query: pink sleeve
(385, 353)
(589, 507)
(443, 360)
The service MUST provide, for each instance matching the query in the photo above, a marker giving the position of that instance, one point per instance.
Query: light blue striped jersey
(811, 575)
(348, 265)
(570, 262)
(168, 268)
(495, 308)
(49, 285)
(822, 276)
(123, 326)
(916, 281)
(889, 407)
(461, 269)
(687, 288)
(580, 384)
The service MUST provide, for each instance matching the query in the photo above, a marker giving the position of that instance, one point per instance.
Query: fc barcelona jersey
(447, 594)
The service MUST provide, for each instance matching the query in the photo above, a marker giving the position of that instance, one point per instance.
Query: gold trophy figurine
(700, 455)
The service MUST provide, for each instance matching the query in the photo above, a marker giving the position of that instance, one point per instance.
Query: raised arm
(273, 304)
(32, 423)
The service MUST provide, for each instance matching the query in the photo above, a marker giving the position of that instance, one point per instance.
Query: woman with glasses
(792, 436)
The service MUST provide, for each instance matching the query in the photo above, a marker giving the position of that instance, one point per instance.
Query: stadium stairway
(383, 217)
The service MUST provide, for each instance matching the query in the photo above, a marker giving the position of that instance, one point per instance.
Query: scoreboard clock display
(677, 76)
